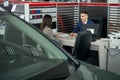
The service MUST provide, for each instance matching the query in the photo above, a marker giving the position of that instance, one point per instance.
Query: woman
(46, 25)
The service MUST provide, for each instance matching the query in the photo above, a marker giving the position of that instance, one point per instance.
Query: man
(84, 20)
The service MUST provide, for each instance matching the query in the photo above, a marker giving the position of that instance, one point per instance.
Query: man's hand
(73, 34)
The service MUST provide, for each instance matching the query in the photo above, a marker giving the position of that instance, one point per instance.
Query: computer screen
(94, 28)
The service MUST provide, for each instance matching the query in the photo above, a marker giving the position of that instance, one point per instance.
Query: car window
(15, 31)
(18, 37)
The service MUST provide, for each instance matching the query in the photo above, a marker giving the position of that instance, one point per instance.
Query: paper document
(91, 30)
(64, 35)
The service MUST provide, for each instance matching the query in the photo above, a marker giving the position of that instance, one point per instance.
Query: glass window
(15, 31)
(21, 44)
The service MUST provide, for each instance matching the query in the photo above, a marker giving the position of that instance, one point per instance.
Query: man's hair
(84, 12)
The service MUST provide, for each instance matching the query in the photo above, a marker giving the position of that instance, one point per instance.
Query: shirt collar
(85, 22)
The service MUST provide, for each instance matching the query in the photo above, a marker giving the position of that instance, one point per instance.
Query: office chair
(98, 20)
(81, 49)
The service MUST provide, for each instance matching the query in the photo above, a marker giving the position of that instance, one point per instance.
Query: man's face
(83, 17)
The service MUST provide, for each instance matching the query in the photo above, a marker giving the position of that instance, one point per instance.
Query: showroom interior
(104, 50)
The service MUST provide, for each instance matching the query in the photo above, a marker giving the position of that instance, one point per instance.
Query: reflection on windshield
(2, 27)
(23, 34)
(23, 46)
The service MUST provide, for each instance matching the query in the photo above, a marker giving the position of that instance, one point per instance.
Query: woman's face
(83, 17)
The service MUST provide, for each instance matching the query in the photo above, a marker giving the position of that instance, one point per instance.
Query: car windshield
(15, 31)
(20, 40)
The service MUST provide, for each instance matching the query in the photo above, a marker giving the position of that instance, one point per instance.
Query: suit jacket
(79, 26)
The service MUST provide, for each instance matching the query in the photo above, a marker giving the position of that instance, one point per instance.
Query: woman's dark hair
(47, 21)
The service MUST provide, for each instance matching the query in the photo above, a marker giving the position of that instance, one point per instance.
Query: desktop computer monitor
(94, 29)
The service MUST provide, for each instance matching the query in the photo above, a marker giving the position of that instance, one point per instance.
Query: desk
(100, 45)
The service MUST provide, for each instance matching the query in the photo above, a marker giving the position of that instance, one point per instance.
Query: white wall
(113, 1)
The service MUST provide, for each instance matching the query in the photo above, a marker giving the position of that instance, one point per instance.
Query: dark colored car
(28, 54)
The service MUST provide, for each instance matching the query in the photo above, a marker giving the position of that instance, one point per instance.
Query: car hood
(90, 72)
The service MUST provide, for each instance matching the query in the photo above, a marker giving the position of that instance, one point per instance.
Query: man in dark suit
(84, 20)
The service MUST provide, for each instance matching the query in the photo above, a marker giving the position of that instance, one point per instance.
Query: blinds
(67, 18)
(114, 19)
